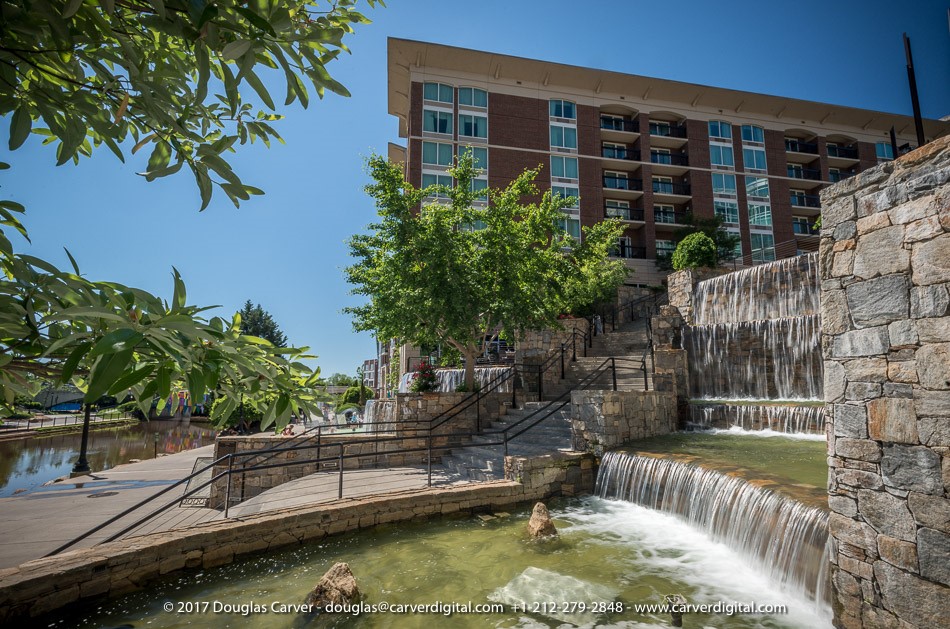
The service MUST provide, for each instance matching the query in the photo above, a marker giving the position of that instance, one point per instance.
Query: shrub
(694, 251)
(424, 379)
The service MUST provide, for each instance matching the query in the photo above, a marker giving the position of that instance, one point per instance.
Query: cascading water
(782, 537)
(452, 379)
(783, 419)
(756, 334)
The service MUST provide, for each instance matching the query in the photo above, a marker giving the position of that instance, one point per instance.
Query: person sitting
(288, 431)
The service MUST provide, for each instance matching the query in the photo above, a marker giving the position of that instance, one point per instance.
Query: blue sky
(286, 250)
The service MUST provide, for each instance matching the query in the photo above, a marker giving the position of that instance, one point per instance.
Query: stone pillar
(669, 357)
(885, 270)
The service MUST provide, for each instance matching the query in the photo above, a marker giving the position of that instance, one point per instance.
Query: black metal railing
(805, 200)
(670, 217)
(614, 152)
(836, 176)
(667, 131)
(846, 152)
(670, 187)
(629, 252)
(804, 229)
(622, 183)
(671, 159)
(804, 173)
(800, 146)
(618, 124)
(623, 213)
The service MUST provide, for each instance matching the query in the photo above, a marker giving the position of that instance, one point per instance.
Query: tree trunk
(470, 369)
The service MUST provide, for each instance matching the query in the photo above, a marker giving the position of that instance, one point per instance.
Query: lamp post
(155, 437)
(82, 465)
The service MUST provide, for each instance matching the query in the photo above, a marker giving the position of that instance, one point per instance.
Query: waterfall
(451, 379)
(782, 537)
(784, 419)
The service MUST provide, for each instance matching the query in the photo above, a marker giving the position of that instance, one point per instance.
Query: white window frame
(724, 149)
(438, 175)
(722, 193)
(439, 89)
(464, 147)
(730, 202)
(755, 196)
(562, 148)
(438, 153)
(755, 150)
(767, 206)
(753, 141)
(720, 123)
(440, 114)
(474, 126)
(564, 178)
(562, 101)
(472, 104)
(569, 191)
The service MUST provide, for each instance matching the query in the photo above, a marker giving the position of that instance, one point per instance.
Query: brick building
(647, 151)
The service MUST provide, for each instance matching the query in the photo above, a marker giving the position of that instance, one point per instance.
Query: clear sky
(286, 250)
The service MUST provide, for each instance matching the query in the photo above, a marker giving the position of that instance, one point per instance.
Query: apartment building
(647, 151)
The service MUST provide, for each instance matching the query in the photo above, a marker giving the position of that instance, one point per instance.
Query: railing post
(478, 414)
(514, 398)
(574, 345)
(429, 458)
(562, 361)
(646, 385)
(227, 495)
(540, 384)
(613, 364)
(341, 472)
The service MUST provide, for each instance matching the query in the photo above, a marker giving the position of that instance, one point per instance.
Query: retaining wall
(602, 420)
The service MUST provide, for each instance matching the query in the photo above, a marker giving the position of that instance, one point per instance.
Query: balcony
(612, 152)
(803, 229)
(806, 200)
(804, 173)
(624, 213)
(843, 152)
(836, 176)
(622, 183)
(616, 124)
(667, 131)
(670, 187)
(670, 159)
(670, 218)
(628, 252)
(800, 146)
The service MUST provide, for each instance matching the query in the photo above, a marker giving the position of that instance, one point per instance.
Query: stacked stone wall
(602, 420)
(885, 269)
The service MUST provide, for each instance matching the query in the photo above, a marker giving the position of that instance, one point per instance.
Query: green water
(799, 461)
(610, 553)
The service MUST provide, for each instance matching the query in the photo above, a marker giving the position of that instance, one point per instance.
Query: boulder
(337, 586)
(540, 524)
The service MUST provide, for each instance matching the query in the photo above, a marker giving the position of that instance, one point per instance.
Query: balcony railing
(804, 173)
(623, 213)
(847, 152)
(669, 187)
(806, 200)
(835, 177)
(629, 251)
(670, 218)
(673, 159)
(667, 131)
(804, 229)
(799, 146)
(622, 183)
(612, 152)
(617, 124)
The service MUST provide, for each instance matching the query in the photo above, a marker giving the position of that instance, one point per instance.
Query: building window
(665, 247)
(437, 121)
(473, 126)
(480, 186)
(473, 97)
(720, 155)
(479, 153)
(760, 214)
(757, 187)
(438, 92)
(751, 133)
(663, 185)
(565, 192)
(571, 225)
(563, 137)
(659, 127)
(884, 150)
(563, 109)
(617, 209)
(737, 250)
(728, 211)
(763, 247)
(613, 150)
(437, 153)
(801, 225)
(720, 129)
(664, 214)
(724, 184)
(429, 179)
(754, 159)
(564, 167)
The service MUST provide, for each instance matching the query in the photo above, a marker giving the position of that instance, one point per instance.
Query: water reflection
(28, 463)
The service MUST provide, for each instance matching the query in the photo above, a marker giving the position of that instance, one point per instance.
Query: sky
(286, 250)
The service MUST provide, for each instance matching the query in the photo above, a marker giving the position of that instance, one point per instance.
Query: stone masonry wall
(602, 420)
(885, 270)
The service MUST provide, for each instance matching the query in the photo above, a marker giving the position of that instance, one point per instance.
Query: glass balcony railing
(806, 200)
(613, 152)
(847, 152)
(623, 213)
(804, 229)
(629, 251)
(673, 159)
(800, 146)
(670, 218)
(669, 187)
(804, 173)
(667, 130)
(618, 124)
(622, 183)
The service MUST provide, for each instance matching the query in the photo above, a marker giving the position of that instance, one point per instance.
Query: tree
(694, 251)
(255, 321)
(725, 241)
(164, 74)
(457, 273)
(342, 380)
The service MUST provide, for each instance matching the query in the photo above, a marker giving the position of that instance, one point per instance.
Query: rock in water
(540, 524)
(337, 586)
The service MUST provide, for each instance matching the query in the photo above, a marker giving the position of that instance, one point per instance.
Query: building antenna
(918, 121)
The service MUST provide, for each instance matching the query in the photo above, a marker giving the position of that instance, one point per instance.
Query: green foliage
(342, 380)
(255, 321)
(431, 277)
(425, 378)
(450, 357)
(167, 76)
(817, 224)
(694, 251)
(353, 396)
(392, 377)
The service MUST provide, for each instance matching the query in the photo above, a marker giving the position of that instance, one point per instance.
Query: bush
(694, 251)
(424, 379)
(352, 395)
(464, 389)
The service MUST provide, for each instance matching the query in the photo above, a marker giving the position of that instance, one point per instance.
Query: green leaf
(204, 72)
(257, 21)
(71, 7)
(160, 157)
(72, 261)
(69, 367)
(180, 295)
(159, 7)
(255, 83)
(121, 340)
(129, 380)
(236, 49)
(107, 370)
(20, 125)
(164, 383)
